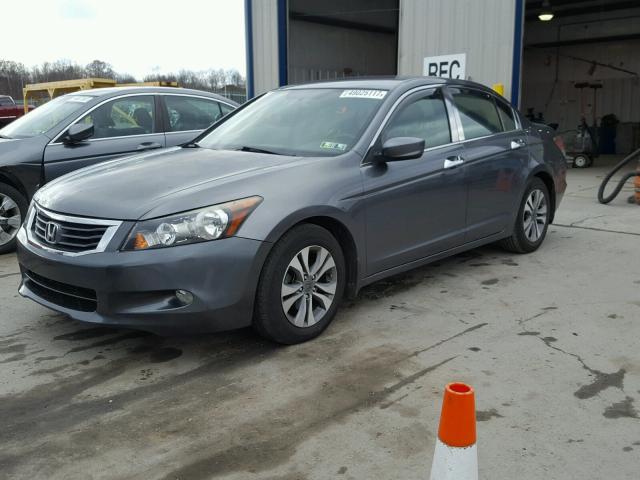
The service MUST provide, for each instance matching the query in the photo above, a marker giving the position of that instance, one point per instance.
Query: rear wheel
(13, 209)
(301, 285)
(532, 221)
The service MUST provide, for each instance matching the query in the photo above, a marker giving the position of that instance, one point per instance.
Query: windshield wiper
(257, 150)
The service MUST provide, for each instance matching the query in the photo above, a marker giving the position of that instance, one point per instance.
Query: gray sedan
(294, 200)
(92, 126)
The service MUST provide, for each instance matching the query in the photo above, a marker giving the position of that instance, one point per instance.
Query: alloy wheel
(10, 219)
(309, 286)
(535, 215)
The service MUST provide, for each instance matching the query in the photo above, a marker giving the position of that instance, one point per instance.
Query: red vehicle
(9, 111)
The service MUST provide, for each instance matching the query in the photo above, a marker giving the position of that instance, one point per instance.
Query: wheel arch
(348, 245)
(341, 232)
(9, 179)
(547, 179)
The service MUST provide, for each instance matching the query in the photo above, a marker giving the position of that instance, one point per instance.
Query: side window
(191, 113)
(425, 117)
(506, 115)
(5, 102)
(477, 111)
(226, 109)
(123, 117)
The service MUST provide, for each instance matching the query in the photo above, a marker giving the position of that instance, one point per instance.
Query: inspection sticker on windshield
(374, 94)
(334, 146)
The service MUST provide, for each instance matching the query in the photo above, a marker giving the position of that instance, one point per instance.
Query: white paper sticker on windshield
(374, 94)
(334, 146)
(80, 98)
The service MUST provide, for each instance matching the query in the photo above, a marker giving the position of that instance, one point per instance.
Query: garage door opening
(581, 72)
(341, 38)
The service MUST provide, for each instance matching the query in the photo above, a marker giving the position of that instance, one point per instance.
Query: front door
(123, 126)
(415, 208)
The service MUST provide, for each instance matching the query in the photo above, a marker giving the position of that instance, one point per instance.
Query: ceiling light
(546, 13)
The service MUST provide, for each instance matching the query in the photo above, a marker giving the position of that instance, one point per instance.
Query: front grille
(69, 236)
(68, 296)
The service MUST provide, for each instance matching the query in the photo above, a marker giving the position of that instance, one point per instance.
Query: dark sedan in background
(92, 126)
(298, 197)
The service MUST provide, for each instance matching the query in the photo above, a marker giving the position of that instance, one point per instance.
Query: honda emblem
(51, 234)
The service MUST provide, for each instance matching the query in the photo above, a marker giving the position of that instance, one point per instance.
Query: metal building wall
(483, 29)
(264, 25)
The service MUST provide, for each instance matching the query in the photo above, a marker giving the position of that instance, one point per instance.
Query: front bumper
(137, 289)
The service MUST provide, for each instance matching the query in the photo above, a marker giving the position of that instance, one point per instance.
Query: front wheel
(532, 221)
(13, 209)
(301, 286)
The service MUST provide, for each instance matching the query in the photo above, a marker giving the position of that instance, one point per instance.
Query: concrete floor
(549, 341)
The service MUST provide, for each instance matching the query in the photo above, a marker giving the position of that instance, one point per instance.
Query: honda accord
(298, 198)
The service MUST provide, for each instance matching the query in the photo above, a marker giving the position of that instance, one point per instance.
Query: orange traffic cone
(456, 456)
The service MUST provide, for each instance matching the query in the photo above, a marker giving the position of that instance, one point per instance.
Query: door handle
(453, 162)
(149, 145)
(517, 143)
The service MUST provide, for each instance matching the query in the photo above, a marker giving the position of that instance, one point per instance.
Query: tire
(582, 161)
(13, 208)
(282, 286)
(522, 240)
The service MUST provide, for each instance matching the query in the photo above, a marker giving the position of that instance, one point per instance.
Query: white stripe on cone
(454, 463)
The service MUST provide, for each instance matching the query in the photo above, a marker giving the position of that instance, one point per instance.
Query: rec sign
(446, 66)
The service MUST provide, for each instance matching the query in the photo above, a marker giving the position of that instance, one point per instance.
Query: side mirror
(402, 148)
(79, 132)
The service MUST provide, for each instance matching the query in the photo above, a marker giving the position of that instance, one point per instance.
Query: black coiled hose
(623, 180)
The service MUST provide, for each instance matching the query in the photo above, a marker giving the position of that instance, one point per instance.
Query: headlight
(209, 223)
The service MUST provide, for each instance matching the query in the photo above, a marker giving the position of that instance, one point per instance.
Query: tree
(14, 76)
(99, 69)
(125, 78)
(234, 78)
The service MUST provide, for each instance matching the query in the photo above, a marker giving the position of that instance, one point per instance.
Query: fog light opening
(184, 297)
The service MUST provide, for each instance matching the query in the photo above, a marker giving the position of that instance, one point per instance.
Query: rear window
(506, 115)
(478, 113)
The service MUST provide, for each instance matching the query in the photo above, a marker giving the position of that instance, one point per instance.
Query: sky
(135, 36)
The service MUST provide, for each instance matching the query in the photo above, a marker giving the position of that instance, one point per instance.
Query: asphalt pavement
(549, 341)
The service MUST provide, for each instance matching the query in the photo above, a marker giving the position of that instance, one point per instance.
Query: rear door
(416, 208)
(122, 126)
(186, 116)
(495, 158)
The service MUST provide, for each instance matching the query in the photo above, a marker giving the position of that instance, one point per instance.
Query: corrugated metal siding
(484, 30)
(265, 45)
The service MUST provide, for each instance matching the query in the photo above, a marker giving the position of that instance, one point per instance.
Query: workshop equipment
(625, 161)
(582, 145)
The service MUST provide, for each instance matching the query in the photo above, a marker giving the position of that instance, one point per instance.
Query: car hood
(159, 183)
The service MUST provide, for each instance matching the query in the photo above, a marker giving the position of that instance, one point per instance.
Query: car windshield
(45, 117)
(303, 122)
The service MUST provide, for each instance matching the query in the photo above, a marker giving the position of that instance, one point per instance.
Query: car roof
(386, 83)
(114, 91)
